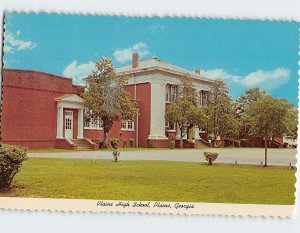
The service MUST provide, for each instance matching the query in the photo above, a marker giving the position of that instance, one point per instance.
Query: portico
(69, 108)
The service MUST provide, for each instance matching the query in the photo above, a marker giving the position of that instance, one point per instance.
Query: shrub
(237, 143)
(100, 144)
(172, 144)
(116, 155)
(124, 144)
(227, 142)
(244, 142)
(11, 158)
(210, 157)
(131, 142)
(150, 143)
(114, 142)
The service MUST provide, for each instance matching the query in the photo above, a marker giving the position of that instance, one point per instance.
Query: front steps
(81, 144)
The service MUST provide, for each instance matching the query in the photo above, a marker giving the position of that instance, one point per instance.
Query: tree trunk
(105, 140)
(181, 142)
(266, 152)
(181, 137)
(107, 124)
(209, 162)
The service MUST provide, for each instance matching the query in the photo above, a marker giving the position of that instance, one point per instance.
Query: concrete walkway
(226, 155)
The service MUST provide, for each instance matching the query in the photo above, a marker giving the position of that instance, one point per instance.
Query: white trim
(126, 123)
(69, 127)
(91, 128)
(59, 122)
(80, 124)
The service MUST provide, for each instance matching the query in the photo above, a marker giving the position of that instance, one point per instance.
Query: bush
(150, 143)
(227, 142)
(131, 142)
(244, 142)
(124, 144)
(114, 142)
(237, 143)
(116, 155)
(100, 144)
(210, 157)
(11, 158)
(172, 144)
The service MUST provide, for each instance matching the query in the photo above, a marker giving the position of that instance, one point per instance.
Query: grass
(153, 180)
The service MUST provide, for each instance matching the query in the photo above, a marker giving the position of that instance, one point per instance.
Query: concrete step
(82, 145)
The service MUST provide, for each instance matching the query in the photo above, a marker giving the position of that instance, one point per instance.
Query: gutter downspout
(137, 122)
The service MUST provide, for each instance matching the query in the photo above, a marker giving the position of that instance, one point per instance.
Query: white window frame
(126, 123)
(95, 125)
(167, 126)
(167, 93)
(202, 99)
(171, 93)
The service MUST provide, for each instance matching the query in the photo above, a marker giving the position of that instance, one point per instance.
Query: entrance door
(69, 124)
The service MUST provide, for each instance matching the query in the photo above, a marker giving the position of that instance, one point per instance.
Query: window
(171, 91)
(203, 98)
(170, 126)
(127, 125)
(90, 122)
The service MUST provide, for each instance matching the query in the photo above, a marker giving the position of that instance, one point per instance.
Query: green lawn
(153, 180)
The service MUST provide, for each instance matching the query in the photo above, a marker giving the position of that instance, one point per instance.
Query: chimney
(135, 60)
(197, 71)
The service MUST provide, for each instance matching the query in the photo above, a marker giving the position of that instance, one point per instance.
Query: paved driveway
(226, 155)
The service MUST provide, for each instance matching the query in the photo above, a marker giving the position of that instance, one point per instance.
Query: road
(226, 155)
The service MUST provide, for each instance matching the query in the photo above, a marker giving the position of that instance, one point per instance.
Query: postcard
(149, 115)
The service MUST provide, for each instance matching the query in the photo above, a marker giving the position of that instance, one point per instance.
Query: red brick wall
(29, 111)
(143, 96)
(143, 99)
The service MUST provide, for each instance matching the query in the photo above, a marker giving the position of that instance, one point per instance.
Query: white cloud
(267, 80)
(217, 74)
(125, 55)
(78, 72)
(12, 44)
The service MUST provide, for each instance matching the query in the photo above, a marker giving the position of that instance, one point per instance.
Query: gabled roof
(156, 64)
(69, 98)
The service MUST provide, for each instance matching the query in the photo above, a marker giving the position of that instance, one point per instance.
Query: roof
(155, 63)
(34, 71)
(69, 98)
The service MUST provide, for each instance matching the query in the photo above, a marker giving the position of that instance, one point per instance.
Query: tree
(221, 118)
(106, 98)
(292, 123)
(242, 103)
(184, 111)
(269, 117)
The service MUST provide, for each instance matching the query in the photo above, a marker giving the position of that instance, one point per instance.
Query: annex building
(41, 110)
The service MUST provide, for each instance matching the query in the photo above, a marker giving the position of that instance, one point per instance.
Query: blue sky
(245, 53)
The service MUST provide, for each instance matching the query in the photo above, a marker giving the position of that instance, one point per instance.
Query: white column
(197, 133)
(158, 109)
(60, 121)
(80, 124)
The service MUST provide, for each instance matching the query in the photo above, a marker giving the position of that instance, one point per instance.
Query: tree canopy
(220, 111)
(105, 96)
(269, 116)
(241, 104)
(184, 111)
